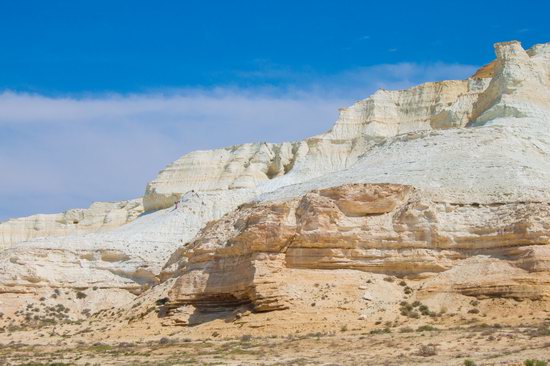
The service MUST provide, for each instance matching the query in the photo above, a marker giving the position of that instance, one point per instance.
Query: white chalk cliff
(98, 217)
(475, 152)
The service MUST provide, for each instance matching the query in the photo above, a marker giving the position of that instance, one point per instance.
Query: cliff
(99, 216)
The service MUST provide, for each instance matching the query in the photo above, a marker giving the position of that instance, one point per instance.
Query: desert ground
(405, 327)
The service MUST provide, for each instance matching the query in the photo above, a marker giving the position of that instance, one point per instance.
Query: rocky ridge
(99, 216)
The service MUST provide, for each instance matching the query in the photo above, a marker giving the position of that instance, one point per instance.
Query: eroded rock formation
(447, 183)
(99, 216)
(245, 257)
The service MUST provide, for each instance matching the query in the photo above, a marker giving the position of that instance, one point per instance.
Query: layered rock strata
(244, 257)
(99, 216)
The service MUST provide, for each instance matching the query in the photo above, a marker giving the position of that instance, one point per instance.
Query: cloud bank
(59, 152)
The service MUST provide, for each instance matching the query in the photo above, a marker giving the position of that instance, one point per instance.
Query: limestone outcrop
(520, 86)
(237, 167)
(128, 257)
(514, 85)
(99, 216)
(245, 257)
(437, 105)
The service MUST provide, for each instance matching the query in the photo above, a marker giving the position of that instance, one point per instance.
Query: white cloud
(63, 152)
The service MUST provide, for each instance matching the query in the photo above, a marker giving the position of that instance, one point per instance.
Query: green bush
(246, 338)
(535, 363)
(380, 331)
(426, 328)
(427, 350)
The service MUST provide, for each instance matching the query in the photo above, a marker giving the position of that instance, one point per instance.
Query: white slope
(506, 160)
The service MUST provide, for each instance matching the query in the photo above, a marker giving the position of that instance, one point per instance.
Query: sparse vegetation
(535, 363)
(541, 332)
(407, 310)
(427, 350)
(246, 349)
(380, 331)
(415, 309)
(246, 338)
(165, 340)
(426, 328)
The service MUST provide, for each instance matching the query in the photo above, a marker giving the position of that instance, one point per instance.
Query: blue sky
(97, 96)
(128, 46)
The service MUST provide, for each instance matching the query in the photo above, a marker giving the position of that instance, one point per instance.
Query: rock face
(99, 216)
(233, 168)
(520, 86)
(385, 114)
(447, 182)
(245, 257)
(128, 257)
(438, 105)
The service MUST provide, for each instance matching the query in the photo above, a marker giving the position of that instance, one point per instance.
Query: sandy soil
(332, 321)
(485, 345)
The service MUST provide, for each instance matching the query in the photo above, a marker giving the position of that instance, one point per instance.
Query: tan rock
(246, 257)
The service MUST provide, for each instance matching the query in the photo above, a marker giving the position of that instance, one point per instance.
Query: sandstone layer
(501, 250)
